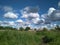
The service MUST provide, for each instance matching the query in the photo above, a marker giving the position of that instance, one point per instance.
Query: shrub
(46, 39)
(45, 29)
(21, 29)
(57, 27)
(27, 28)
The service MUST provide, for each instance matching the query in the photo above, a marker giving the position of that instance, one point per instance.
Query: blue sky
(32, 13)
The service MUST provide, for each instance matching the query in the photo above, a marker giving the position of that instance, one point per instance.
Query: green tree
(21, 29)
(57, 27)
(45, 29)
(35, 29)
(1, 27)
(27, 28)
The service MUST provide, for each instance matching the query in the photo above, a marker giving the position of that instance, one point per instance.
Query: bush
(21, 29)
(27, 28)
(45, 29)
(46, 39)
(57, 28)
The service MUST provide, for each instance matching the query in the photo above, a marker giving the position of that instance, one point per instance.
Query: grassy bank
(28, 38)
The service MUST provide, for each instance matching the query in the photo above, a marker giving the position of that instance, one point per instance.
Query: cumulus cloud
(32, 17)
(51, 10)
(17, 24)
(11, 23)
(11, 15)
(35, 20)
(38, 21)
(46, 18)
(7, 23)
(51, 16)
(19, 21)
(55, 16)
(31, 14)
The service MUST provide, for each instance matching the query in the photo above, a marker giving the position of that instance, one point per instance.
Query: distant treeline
(27, 28)
(7, 28)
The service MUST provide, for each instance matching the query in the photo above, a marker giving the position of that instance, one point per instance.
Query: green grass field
(28, 38)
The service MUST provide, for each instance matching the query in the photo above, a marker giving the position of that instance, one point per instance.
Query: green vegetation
(15, 37)
(27, 28)
(21, 29)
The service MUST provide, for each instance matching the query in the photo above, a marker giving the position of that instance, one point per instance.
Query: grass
(28, 38)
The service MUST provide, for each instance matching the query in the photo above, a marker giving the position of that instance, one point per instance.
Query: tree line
(27, 28)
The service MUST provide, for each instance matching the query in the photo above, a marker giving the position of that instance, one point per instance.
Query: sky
(31, 13)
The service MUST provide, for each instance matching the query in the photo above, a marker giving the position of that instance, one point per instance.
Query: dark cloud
(31, 9)
(55, 16)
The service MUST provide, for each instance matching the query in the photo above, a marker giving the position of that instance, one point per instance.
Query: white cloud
(57, 14)
(31, 17)
(11, 23)
(51, 10)
(7, 23)
(26, 14)
(19, 21)
(11, 15)
(52, 15)
(38, 21)
(31, 14)
(35, 20)
(34, 15)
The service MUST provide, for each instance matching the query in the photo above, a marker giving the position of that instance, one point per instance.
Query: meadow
(14, 37)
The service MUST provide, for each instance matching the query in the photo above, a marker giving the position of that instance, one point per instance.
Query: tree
(35, 29)
(27, 28)
(1, 27)
(57, 27)
(45, 29)
(21, 29)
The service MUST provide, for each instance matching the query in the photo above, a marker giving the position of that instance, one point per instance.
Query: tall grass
(28, 38)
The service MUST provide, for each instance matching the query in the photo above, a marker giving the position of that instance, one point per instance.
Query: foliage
(15, 37)
(7, 28)
(57, 28)
(27, 28)
(45, 29)
(46, 39)
(21, 29)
